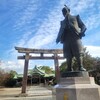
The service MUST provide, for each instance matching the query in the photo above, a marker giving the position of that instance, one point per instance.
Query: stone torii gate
(28, 57)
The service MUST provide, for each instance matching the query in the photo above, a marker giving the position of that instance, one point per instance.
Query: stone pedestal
(81, 87)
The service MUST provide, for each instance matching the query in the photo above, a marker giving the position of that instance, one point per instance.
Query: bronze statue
(71, 31)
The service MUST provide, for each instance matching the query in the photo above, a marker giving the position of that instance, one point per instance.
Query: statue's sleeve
(81, 25)
(61, 31)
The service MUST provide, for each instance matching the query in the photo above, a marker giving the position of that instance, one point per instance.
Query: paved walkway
(33, 93)
(38, 91)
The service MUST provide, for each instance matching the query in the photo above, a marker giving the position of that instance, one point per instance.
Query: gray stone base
(76, 88)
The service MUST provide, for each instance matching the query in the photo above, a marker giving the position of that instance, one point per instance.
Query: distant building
(36, 76)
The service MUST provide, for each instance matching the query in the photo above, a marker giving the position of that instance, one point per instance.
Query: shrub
(10, 82)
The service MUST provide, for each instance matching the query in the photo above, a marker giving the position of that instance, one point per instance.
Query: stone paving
(28, 98)
(33, 93)
(38, 91)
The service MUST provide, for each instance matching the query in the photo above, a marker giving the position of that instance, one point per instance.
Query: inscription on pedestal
(75, 74)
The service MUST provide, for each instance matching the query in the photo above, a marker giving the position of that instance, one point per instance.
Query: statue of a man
(71, 31)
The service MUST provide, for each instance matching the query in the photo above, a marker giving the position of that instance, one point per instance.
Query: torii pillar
(24, 82)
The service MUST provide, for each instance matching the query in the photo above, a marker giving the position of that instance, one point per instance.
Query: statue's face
(65, 11)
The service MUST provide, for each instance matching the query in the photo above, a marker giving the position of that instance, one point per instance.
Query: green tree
(47, 69)
(96, 71)
(12, 73)
(10, 81)
(7, 78)
(1, 76)
(63, 66)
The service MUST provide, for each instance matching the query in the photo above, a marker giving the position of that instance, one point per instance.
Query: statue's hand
(57, 41)
(80, 35)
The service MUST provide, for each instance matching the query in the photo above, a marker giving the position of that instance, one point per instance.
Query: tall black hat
(66, 9)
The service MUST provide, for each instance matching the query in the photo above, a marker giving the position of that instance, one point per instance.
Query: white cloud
(93, 50)
(92, 39)
(80, 6)
(93, 21)
(12, 65)
(27, 14)
(23, 41)
(46, 33)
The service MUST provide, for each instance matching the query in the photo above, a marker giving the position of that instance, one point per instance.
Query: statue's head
(65, 10)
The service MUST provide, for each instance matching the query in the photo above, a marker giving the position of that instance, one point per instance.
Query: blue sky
(35, 24)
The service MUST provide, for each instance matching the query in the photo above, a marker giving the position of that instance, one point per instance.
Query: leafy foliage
(47, 69)
(2, 76)
(63, 66)
(7, 78)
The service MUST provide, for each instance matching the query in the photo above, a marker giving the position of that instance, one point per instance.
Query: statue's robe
(71, 31)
